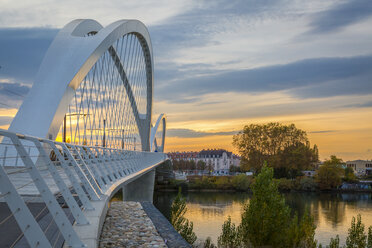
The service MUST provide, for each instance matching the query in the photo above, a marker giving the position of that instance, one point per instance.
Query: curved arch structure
(75, 54)
(154, 146)
(103, 77)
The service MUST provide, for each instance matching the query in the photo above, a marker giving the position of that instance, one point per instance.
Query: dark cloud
(320, 77)
(323, 131)
(341, 15)
(189, 133)
(12, 94)
(22, 50)
(359, 105)
(13, 89)
(196, 26)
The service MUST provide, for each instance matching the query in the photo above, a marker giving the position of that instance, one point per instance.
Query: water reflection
(332, 212)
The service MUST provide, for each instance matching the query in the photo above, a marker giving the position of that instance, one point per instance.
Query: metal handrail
(81, 174)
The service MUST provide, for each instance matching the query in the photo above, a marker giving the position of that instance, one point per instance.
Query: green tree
(201, 165)
(208, 243)
(369, 239)
(175, 165)
(334, 161)
(349, 175)
(266, 219)
(234, 168)
(182, 225)
(304, 232)
(330, 174)
(241, 182)
(191, 165)
(230, 236)
(209, 166)
(265, 214)
(335, 242)
(294, 159)
(356, 237)
(283, 146)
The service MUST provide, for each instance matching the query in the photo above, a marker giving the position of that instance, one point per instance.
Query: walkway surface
(127, 225)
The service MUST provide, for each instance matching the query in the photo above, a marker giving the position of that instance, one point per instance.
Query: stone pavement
(127, 225)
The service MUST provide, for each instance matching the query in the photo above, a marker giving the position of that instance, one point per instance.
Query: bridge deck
(20, 178)
(62, 183)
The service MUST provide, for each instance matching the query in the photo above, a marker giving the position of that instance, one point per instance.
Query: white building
(220, 159)
(360, 167)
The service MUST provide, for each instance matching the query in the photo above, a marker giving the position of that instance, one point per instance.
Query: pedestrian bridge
(83, 133)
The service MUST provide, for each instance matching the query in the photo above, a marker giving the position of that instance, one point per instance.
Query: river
(332, 212)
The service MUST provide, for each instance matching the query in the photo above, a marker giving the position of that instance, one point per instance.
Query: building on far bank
(219, 159)
(183, 156)
(360, 167)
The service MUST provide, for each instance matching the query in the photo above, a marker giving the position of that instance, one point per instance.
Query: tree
(182, 225)
(356, 237)
(208, 243)
(294, 159)
(230, 237)
(175, 165)
(335, 242)
(265, 214)
(369, 239)
(201, 165)
(301, 233)
(266, 220)
(282, 146)
(210, 166)
(234, 168)
(349, 175)
(241, 182)
(329, 175)
(191, 165)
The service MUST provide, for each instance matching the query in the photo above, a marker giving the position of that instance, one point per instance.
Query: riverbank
(242, 183)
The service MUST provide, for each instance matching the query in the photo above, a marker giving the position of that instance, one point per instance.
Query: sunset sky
(220, 65)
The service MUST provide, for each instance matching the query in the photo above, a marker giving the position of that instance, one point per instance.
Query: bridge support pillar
(141, 189)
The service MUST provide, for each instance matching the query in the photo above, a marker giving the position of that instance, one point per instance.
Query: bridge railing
(62, 181)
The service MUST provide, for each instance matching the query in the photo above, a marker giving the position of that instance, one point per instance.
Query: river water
(332, 212)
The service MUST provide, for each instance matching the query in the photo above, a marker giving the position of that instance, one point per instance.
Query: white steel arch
(154, 146)
(73, 53)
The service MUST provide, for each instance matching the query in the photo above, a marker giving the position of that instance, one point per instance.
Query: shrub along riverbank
(267, 221)
(243, 183)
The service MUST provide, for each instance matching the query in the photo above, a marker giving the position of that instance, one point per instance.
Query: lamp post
(64, 129)
(65, 124)
(104, 134)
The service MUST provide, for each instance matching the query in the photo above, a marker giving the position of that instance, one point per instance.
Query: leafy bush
(330, 174)
(284, 184)
(208, 243)
(202, 183)
(230, 236)
(223, 183)
(182, 225)
(307, 183)
(350, 176)
(266, 220)
(241, 182)
(356, 236)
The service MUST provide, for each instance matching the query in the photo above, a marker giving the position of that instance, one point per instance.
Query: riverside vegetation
(267, 221)
(284, 148)
(328, 177)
